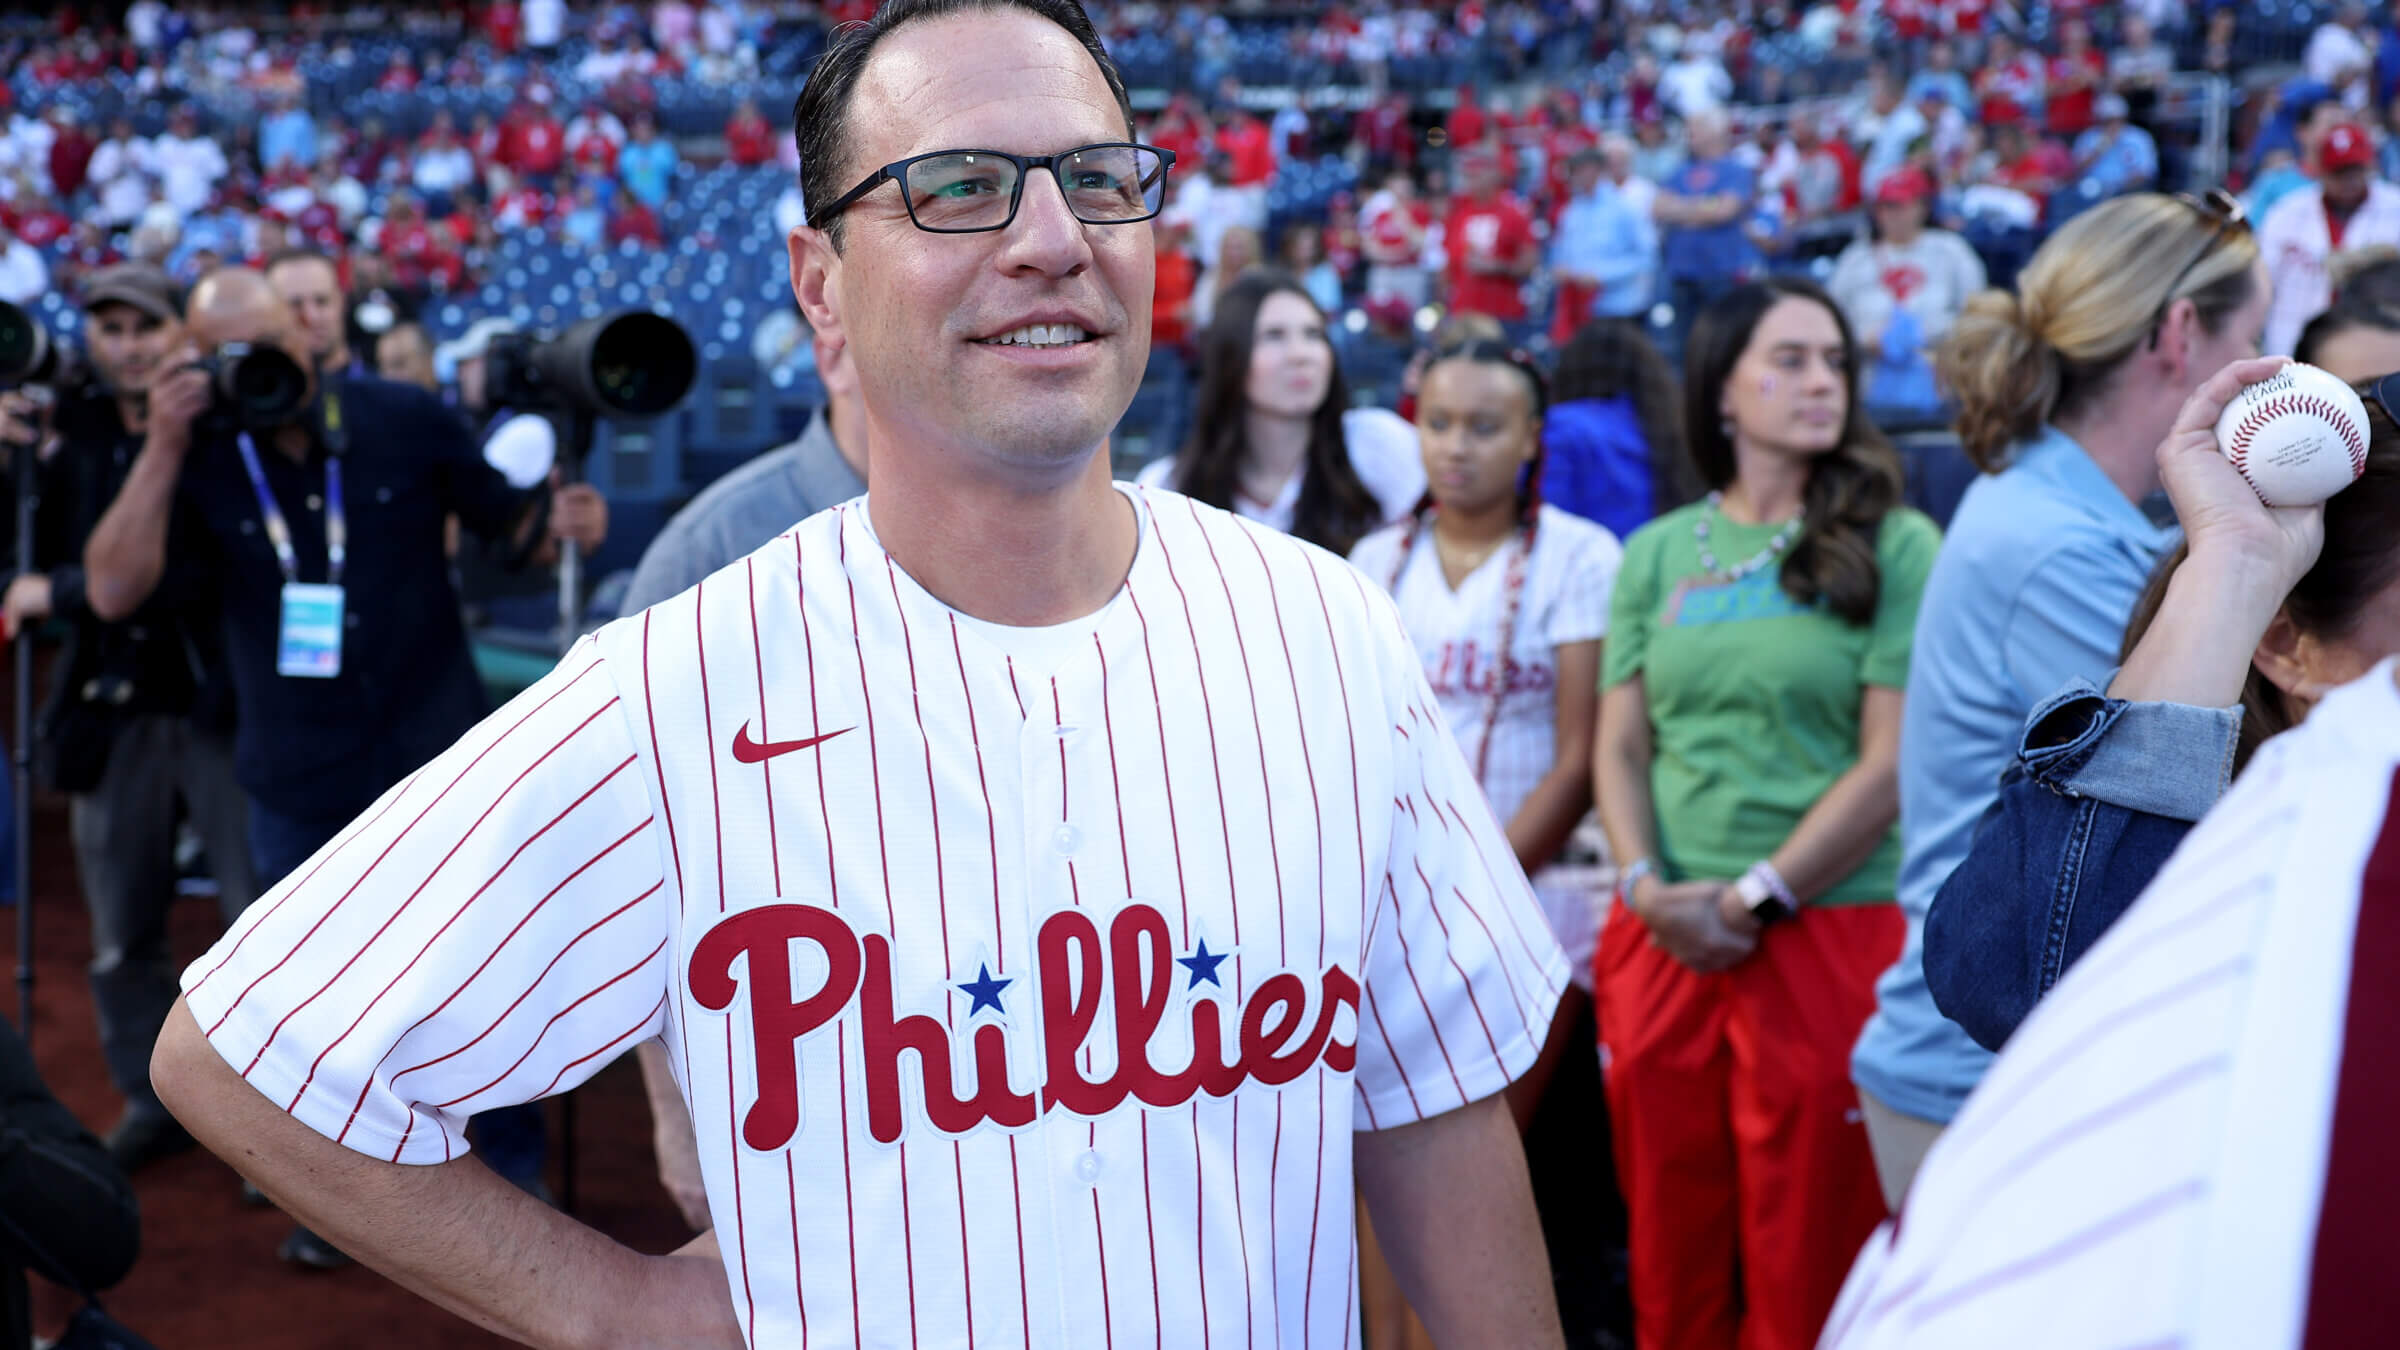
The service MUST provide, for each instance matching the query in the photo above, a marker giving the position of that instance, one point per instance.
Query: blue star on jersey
(1202, 965)
(985, 991)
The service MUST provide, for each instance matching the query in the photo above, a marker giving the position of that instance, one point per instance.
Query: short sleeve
(2069, 618)
(492, 931)
(1376, 554)
(1156, 473)
(1587, 578)
(1904, 556)
(1632, 610)
(669, 567)
(1385, 451)
(1461, 972)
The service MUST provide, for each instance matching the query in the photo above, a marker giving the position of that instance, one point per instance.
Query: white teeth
(1040, 335)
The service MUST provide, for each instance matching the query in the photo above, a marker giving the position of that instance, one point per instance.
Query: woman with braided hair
(1506, 599)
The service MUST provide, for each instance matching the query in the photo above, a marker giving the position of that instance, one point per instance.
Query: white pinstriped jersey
(1567, 583)
(1013, 1007)
(2189, 1141)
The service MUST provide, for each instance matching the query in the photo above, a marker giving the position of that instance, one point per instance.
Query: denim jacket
(2101, 792)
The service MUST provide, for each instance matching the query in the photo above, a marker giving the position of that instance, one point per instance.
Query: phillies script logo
(1272, 1042)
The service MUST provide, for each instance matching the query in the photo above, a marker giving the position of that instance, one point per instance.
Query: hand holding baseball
(2299, 435)
(2221, 514)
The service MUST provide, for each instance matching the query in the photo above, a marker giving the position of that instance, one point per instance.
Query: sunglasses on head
(2226, 217)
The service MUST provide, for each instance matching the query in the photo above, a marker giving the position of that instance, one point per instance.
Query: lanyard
(279, 531)
(1512, 599)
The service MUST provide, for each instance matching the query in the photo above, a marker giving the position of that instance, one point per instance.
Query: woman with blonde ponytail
(2064, 390)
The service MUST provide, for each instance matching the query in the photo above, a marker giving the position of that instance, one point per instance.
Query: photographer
(139, 716)
(317, 533)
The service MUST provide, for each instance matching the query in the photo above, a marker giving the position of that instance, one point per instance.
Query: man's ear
(814, 268)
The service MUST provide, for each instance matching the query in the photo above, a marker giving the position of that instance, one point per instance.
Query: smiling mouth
(1039, 335)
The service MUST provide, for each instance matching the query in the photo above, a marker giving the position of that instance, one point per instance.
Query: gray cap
(145, 286)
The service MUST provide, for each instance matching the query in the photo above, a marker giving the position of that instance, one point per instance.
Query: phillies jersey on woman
(1019, 999)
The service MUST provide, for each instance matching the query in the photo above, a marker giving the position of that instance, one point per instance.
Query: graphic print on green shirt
(1754, 698)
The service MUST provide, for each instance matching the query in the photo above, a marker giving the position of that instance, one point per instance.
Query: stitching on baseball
(2268, 410)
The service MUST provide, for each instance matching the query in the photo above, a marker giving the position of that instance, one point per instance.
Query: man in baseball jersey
(2188, 1143)
(1053, 894)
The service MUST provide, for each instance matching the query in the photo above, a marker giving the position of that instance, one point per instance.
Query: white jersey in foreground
(1014, 1006)
(2189, 1142)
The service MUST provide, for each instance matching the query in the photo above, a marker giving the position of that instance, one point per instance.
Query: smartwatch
(1764, 894)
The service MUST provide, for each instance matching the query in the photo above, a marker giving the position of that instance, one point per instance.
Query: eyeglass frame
(897, 173)
(2384, 392)
(2226, 217)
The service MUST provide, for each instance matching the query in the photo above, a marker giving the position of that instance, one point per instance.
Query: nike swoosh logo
(748, 751)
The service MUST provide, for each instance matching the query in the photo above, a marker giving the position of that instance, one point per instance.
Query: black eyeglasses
(969, 191)
(2384, 393)
(2226, 217)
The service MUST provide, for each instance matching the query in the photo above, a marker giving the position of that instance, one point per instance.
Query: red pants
(1748, 1181)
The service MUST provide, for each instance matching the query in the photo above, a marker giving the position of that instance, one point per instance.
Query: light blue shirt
(2129, 162)
(2036, 579)
(647, 170)
(288, 135)
(1601, 235)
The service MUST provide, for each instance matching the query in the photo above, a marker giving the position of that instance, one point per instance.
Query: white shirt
(1568, 578)
(443, 168)
(144, 20)
(188, 169)
(23, 274)
(755, 835)
(1383, 449)
(2159, 1151)
(2334, 53)
(2298, 243)
(545, 22)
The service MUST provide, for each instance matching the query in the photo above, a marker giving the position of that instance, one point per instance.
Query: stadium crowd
(1591, 325)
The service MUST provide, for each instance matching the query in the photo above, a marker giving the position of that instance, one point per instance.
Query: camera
(252, 388)
(632, 365)
(30, 354)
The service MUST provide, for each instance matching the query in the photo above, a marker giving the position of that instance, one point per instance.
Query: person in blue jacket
(1612, 444)
(2240, 630)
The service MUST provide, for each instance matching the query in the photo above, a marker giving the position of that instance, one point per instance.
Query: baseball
(2298, 436)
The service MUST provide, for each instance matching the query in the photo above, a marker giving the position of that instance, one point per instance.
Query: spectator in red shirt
(400, 74)
(1385, 134)
(2076, 75)
(1178, 277)
(1180, 128)
(2032, 164)
(533, 144)
(1490, 243)
(483, 142)
(749, 141)
(504, 26)
(1467, 124)
(71, 150)
(1245, 141)
(635, 220)
(2010, 74)
(36, 219)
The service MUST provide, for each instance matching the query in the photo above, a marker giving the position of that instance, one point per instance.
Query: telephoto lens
(29, 354)
(254, 388)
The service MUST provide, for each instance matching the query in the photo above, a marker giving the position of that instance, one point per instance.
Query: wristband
(1765, 894)
(1632, 876)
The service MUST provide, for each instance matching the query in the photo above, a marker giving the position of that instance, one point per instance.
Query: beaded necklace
(1708, 558)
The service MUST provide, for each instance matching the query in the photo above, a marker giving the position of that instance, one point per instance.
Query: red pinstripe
(1450, 953)
(619, 1039)
(1108, 1319)
(555, 1018)
(866, 696)
(941, 891)
(1507, 912)
(991, 829)
(833, 895)
(1116, 790)
(1234, 900)
(370, 871)
(394, 917)
(716, 811)
(531, 985)
(437, 937)
(766, 769)
(361, 830)
(1408, 962)
(1514, 996)
(1375, 1011)
(1241, 646)
(666, 803)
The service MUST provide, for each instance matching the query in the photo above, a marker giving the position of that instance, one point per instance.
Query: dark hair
(2366, 295)
(2359, 561)
(1335, 508)
(1483, 351)
(1612, 358)
(1850, 488)
(821, 115)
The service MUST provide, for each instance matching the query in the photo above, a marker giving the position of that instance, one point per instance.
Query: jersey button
(1066, 839)
(315, 502)
(1087, 1167)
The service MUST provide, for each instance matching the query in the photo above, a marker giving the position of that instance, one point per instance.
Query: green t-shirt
(1754, 699)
